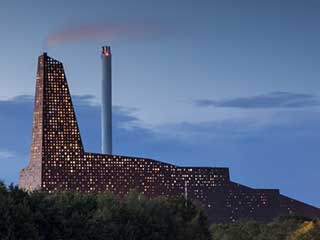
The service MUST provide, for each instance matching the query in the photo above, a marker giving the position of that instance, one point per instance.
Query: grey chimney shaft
(106, 106)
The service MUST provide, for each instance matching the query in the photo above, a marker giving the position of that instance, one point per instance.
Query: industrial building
(59, 162)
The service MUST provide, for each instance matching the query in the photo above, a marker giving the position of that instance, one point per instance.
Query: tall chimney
(106, 106)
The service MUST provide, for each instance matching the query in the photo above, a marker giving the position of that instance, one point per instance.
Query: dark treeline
(67, 216)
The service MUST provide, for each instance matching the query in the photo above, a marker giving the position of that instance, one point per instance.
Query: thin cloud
(4, 154)
(265, 101)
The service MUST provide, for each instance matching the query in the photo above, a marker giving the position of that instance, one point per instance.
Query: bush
(68, 215)
(73, 216)
(283, 228)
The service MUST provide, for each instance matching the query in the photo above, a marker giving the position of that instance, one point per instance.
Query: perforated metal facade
(58, 162)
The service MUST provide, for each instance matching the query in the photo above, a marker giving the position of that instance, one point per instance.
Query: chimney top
(106, 50)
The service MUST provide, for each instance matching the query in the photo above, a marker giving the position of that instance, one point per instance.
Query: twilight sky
(195, 83)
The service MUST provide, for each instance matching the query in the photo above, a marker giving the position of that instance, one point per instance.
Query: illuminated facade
(58, 162)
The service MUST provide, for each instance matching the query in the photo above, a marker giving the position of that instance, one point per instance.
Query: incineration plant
(59, 162)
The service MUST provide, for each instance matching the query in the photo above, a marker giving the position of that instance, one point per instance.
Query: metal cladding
(106, 106)
(58, 162)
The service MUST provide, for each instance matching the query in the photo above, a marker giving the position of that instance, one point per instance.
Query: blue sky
(211, 83)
